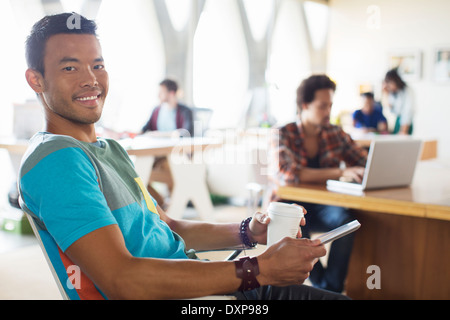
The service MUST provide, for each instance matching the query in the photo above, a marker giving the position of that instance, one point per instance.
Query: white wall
(363, 32)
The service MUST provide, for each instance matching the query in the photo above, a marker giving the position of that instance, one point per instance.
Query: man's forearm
(174, 279)
(206, 236)
(104, 258)
(310, 175)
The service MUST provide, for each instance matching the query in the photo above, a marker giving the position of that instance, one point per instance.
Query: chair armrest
(237, 250)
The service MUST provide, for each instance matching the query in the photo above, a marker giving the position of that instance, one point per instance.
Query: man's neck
(309, 129)
(169, 106)
(172, 102)
(85, 133)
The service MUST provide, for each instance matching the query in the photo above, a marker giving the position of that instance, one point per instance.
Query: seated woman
(400, 100)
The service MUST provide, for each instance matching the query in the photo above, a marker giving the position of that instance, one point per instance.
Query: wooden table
(187, 166)
(404, 231)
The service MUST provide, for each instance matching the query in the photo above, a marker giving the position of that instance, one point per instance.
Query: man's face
(75, 81)
(319, 109)
(367, 105)
(165, 95)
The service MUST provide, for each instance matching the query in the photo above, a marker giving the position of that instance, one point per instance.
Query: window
(220, 63)
(317, 20)
(136, 63)
(72, 5)
(133, 51)
(179, 13)
(259, 13)
(289, 61)
(16, 20)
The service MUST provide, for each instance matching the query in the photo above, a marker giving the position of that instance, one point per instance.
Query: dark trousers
(295, 292)
(322, 218)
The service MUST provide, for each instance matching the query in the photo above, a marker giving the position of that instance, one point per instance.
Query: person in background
(166, 119)
(170, 115)
(400, 101)
(370, 117)
(311, 150)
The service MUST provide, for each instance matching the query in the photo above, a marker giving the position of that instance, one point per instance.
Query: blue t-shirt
(72, 188)
(167, 118)
(372, 120)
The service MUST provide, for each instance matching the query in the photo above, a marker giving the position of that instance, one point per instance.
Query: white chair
(47, 243)
(202, 118)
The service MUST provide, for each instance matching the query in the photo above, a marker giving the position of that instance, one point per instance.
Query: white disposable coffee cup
(284, 221)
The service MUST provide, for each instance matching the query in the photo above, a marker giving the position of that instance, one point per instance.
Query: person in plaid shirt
(311, 150)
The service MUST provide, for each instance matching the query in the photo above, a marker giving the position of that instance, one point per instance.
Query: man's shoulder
(156, 109)
(183, 108)
(333, 131)
(182, 105)
(334, 128)
(378, 113)
(44, 144)
(289, 127)
(357, 112)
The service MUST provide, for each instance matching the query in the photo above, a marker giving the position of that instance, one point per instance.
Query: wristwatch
(247, 269)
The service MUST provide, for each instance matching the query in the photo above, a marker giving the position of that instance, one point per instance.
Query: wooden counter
(404, 231)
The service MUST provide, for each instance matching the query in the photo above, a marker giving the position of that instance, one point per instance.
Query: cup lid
(285, 209)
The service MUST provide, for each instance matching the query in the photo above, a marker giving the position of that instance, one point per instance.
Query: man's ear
(35, 80)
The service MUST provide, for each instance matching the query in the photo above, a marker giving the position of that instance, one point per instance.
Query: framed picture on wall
(409, 63)
(441, 64)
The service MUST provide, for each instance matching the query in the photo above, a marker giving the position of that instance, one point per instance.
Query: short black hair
(369, 95)
(170, 84)
(394, 76)
(49, 26)
(309, 86)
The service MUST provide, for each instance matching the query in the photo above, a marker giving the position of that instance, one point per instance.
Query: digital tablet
(339, 232)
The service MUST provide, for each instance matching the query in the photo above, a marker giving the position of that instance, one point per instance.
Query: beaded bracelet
(243, 233)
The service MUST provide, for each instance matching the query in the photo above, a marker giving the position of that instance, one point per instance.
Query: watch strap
(247, 269)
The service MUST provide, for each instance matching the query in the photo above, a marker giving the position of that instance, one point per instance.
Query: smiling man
(96, 213)
(70, 80)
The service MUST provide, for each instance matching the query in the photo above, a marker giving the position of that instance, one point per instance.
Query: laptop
(390, 163)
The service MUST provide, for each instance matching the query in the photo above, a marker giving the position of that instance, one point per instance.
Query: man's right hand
(289, 261)
(355, 174)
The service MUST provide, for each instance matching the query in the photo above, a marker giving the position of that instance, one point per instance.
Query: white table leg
(189, 179)
(143, 166)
